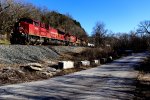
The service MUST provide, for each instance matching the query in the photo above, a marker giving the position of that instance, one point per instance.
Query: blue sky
(118, 15)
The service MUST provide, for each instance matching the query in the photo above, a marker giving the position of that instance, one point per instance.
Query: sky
(117, 15)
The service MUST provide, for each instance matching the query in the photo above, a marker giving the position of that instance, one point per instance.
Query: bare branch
(144, 27)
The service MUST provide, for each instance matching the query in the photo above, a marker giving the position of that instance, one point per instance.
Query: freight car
(28, 31)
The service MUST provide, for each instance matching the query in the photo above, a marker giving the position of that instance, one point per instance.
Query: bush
(96, 53)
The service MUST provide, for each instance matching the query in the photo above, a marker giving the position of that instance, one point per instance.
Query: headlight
(21, 29)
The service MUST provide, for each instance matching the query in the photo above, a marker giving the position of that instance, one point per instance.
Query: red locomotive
(28, 31)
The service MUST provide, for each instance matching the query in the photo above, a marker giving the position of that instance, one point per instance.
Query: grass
(5, 41)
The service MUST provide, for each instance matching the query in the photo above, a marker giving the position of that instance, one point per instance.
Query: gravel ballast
(10, 54)
(68, 49)
(22, 54)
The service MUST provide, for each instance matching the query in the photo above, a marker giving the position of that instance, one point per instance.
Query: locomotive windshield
(30, 21)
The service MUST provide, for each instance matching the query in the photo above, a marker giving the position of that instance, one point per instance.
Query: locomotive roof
(27, 19)
(22, 19)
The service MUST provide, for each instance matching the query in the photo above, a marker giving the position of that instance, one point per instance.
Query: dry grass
(143, 81)
(9, 65)
(94, 53)
(5, 41)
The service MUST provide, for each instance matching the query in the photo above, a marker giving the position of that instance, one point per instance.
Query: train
(28, 31)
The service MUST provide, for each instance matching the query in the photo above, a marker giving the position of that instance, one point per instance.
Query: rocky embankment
(10, 54)
(23, 63)
(20, 54)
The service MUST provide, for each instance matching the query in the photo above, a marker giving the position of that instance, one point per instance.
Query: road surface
(106, 82)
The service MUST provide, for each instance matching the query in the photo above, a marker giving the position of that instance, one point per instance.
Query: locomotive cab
(20, 31)
(23, 25)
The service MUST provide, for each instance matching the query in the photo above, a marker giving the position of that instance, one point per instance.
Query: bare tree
(99, 33)
(0, 7)
(144, 30)
(12, 11)
(144, 27)
(3, 8)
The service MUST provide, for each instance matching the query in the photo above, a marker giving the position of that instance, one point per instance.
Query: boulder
(47, 73)
(49, 69)
(34, 64)
(33, 67)
(51, 62)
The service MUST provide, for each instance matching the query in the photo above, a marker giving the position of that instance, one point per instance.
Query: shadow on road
(111, 81)
(92, 86)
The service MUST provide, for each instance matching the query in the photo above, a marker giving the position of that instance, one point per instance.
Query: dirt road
(110, 81)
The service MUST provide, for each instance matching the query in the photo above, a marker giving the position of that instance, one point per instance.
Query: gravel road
(107, 82)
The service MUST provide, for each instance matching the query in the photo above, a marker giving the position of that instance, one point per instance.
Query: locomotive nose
(21, 29)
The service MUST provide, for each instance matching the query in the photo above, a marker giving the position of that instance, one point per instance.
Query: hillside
(64, 23)
(12, 10)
